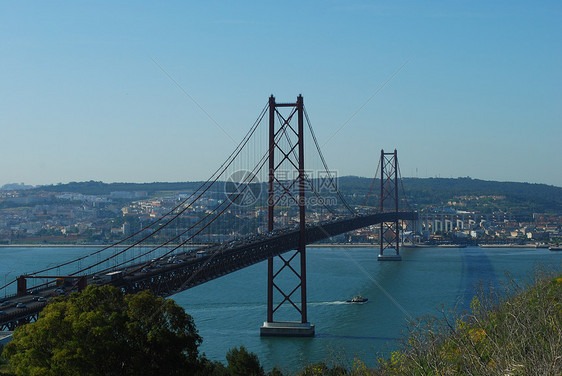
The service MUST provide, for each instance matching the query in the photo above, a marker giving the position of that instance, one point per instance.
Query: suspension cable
(408, 206)
(256, 168)
(372, 185)
(176, 216)
(232, 157)
(213, 178)
(306, 177)
(325, 164)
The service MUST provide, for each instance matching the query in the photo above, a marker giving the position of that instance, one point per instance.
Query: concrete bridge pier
(287, 329)
(389, 258)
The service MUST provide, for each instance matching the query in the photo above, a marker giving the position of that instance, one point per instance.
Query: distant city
(62, 214)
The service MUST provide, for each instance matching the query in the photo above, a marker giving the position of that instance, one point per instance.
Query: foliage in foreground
(3, 364)
(104, 332)
(518, 332)
(520, 336)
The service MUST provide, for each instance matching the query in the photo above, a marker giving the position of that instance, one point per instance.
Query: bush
(519, 334)
(243, 363)
(101, 331)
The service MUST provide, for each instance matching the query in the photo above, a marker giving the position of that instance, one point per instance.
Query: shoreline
(83, 245)
(340, 245)
(334, 245)
(325, 245)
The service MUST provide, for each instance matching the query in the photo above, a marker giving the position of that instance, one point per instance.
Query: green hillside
(461, 193)
(464, 194)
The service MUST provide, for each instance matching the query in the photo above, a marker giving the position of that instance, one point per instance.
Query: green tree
(243, 363)
(275, 372)
(4, 364)
(104, 332)
(322, 369)
(212, 368)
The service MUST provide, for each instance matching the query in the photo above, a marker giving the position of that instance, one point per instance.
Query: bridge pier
(278, 176)
(389, 231)
(287, 329)
(389, 258)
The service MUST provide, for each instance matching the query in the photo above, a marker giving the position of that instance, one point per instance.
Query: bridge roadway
(169, 276)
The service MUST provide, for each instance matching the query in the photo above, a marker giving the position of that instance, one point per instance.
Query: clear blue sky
(81, 97)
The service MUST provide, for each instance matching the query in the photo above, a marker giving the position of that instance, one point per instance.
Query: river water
(229, 311)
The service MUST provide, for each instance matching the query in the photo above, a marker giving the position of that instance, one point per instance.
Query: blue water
(229, 311)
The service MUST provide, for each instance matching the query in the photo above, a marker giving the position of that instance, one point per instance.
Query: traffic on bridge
(160, 257)
(171, 275)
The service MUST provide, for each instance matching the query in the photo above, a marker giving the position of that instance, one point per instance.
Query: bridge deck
(190, 269)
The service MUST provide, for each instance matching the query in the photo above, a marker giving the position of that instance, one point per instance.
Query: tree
(3, 365)
(101, 331)
(243, 363)
(275, 372)
(212, 368)
(322, 369)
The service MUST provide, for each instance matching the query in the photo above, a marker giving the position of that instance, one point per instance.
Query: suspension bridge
(262, 204)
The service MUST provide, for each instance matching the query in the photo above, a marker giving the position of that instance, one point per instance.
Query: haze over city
(150, 91)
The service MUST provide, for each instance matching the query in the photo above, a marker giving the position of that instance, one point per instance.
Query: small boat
(555, 248)
(357, 299)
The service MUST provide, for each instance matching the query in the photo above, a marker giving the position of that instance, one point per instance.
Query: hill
(464, 194)
(460, 193)
(100, 188)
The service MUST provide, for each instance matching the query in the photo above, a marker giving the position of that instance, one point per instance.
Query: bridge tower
(389, 231)
(290, 187)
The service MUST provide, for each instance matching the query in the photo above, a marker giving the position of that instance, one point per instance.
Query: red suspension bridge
(270, 207)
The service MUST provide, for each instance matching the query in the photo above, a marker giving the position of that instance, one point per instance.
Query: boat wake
(327, 303)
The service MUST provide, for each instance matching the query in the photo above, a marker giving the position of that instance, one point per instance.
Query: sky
(143, 91)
